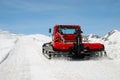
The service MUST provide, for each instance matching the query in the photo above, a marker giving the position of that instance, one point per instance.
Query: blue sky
(37, 16)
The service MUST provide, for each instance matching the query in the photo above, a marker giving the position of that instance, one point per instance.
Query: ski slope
(25, 61)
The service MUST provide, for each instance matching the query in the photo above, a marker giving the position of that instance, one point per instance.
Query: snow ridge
(106, 37)
(112, 42)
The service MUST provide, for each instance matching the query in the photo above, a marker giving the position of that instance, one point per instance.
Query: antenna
(50, 30)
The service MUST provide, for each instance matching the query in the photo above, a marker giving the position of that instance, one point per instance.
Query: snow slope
(112, 43)
(7, 41)
(26, 62)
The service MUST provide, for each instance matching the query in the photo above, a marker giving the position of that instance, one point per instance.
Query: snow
(26, 61)
(91, 38)
(7, 41)
(112, 43)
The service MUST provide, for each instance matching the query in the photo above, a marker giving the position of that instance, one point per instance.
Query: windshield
(67, 30)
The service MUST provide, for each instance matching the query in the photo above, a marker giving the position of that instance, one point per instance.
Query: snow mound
(112, 44)
(112, 36)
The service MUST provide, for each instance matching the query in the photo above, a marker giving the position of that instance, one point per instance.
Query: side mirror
(50, 30)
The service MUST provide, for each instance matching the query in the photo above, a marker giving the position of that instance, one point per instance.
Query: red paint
(66, 41)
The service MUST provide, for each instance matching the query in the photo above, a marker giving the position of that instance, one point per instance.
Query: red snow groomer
(67, 41)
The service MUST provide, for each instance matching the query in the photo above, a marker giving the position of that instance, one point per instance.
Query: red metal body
(63, 41)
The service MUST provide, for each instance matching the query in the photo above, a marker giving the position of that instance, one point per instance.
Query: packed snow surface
(21, 58)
